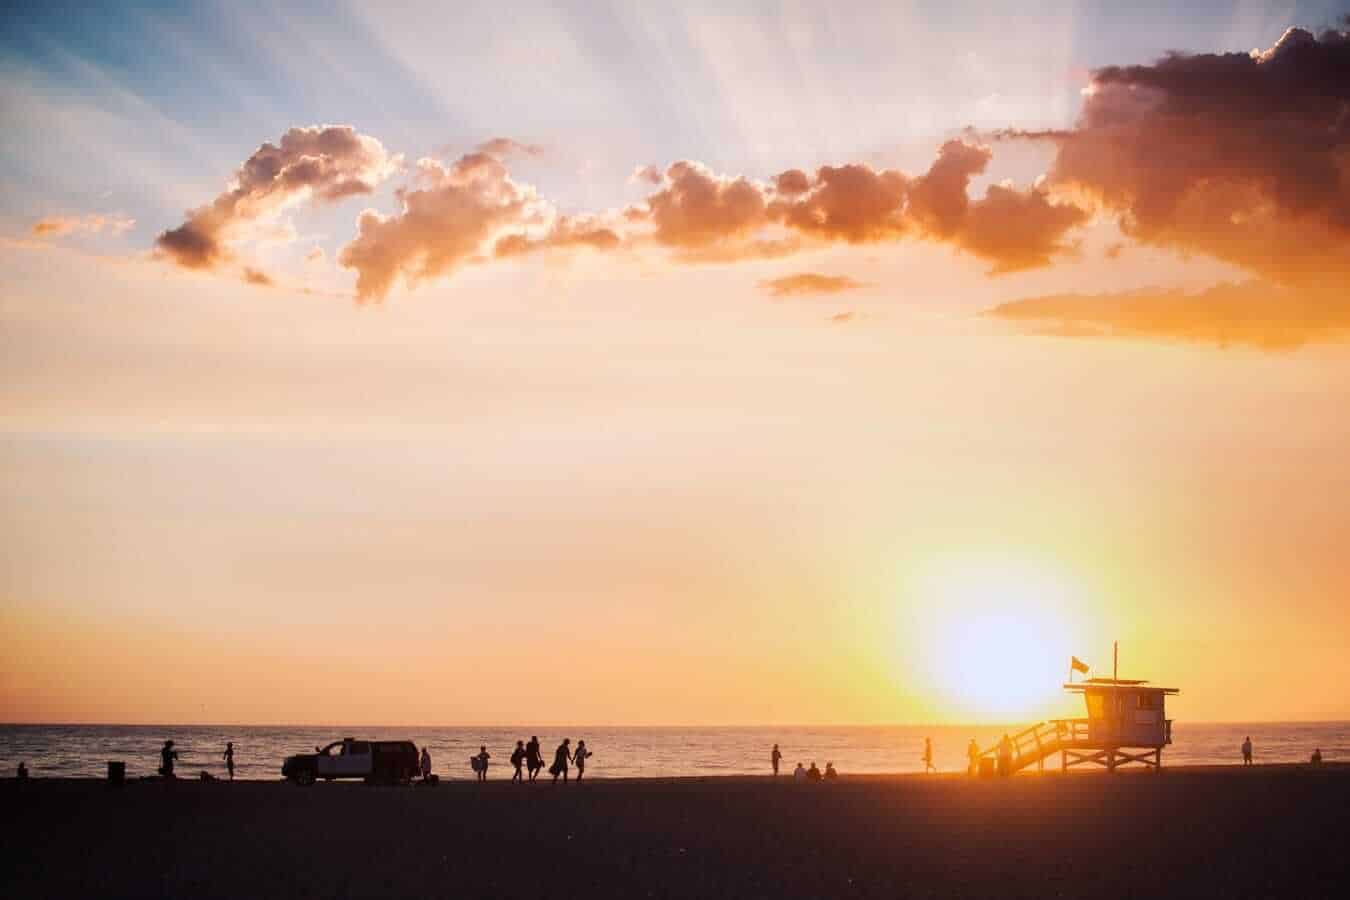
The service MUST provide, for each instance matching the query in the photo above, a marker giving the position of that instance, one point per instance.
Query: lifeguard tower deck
(1126, 723)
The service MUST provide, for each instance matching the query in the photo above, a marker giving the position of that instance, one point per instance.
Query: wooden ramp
(1076, 745)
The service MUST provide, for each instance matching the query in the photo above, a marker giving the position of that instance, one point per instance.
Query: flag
(1078, 665)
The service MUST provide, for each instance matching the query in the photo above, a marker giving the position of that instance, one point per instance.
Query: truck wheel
(304, 779)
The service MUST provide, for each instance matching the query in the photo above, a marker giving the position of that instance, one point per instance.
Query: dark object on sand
(378, 762)
(22, 773)
(206, 776)
(117, 773)
(1316, 757)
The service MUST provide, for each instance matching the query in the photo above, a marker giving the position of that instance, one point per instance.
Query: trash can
(986, 767)
(117, 773)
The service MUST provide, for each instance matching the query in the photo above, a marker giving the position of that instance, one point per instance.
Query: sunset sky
(672, 363)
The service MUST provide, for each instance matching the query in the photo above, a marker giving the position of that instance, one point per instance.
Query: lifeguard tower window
(1096, 704)
(1148, 701)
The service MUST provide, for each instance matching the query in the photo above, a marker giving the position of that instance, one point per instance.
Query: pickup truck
(390, 762)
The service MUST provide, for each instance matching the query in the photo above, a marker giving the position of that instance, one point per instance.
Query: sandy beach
(1266, 831)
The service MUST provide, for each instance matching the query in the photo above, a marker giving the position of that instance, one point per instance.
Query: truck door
(356, 760)
(329, 760)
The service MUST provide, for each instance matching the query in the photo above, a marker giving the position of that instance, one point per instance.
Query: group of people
(527, 760)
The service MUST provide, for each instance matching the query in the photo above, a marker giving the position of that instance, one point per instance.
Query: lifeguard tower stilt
(1126, 723)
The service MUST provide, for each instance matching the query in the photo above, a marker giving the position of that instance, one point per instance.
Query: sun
(996, 638)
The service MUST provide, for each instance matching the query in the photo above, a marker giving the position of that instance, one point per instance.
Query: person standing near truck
(425, 764)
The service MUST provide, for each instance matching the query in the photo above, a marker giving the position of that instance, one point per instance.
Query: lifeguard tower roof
(1115, 684)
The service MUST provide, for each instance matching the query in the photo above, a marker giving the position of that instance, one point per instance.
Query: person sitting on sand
(973, 754)
(167, 755)
(813, 773)
(561, 757)
(424, 763)
(1316, 757)
(229, 758)
(799, 773)
(580, 758)
(830, 773)
(518, 760)
(928, 756)
(533, 760)
(1247, 751)
(774, 758)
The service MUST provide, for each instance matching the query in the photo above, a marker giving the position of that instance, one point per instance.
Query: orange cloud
(1244, 157)
(502, 147)
(441, 225)
(566, 232)
(322, 163)
(809, 283)
(93, 223)
(1254, 314)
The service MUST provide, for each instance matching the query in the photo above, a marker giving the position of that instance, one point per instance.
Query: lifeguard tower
(1126, 723)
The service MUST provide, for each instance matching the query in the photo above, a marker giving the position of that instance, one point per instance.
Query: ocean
(67, 751)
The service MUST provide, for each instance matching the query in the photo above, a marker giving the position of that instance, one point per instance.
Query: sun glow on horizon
(997, 635)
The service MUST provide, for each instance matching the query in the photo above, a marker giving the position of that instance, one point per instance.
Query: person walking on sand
(580, 758)
(561, 757)
(533, 761)
(774, 758)
(928, 756)
(229, 758)
(482, 757)
(973, 754)
(518, 760)
(424, 763)
(1247, 751)
(1005, 755)
(167, 755)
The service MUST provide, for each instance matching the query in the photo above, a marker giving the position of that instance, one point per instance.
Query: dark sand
(1262, 832)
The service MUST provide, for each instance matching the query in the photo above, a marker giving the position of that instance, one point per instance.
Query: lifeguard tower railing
(1077, 744)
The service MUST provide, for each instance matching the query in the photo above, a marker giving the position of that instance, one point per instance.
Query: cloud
(502, 147)
(841, 318)
(442, 223)
(809, 283)
(1255, 314)
(315, 255)
(711, 217)
(1244, 157)
(565, 232)
(257, 277)
(323, 164)
(646, 175)
(93, 223)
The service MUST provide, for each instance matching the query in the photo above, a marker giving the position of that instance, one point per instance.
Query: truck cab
(375, 761)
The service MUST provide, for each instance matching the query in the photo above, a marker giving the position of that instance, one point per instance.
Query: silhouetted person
(23, 772)
(928, 756)
(580, 758)
(774, 757)
(813, 773)
(424, 763)
(167, 755)
(229, 758)
(1316, 757)
(561, 757)
(830, 773)
(1005, 755)
(482, 757)
(973, 754)
(1247, 751)
(534, 761)
(517, 760)
(799, 773)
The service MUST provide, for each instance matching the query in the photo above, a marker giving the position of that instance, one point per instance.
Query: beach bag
(476, 763)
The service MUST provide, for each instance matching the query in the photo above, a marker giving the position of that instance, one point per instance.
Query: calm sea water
(84, 750)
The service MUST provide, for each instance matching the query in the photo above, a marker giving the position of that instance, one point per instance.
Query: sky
(671, 364)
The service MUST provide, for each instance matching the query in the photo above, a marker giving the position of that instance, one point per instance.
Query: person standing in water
(1247, 751)
(928, 756)
(229, 758)
(561, 757)
(580, 758)
(518, 759)
(167, 755)
(774, 758)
